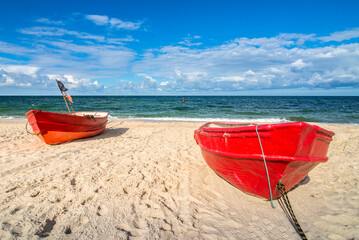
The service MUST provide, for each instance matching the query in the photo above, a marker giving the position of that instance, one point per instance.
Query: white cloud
(65, 57)
(148, 82)
(21, 69)
(47, 31)
(125, 25)
(6, 80)
(188, 41)
(249, 73)
(14, 78)
(15, 49)
(120, 41)
(22, 78)
(299, 64)
(341, 35)
(59, 32)
(277, 62)
(299, 39)
(230, 79)
(48, 21)
(283, 61)
(88, 60)
(98, 19)
(79, 83)
(113, 22)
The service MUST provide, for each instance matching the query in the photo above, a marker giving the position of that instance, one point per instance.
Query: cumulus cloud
(6, 80)
(28, 76)
(148, 82)
(113, 22)
(299, 64)
(18, 76)
(258, 63)
(77, 83)
(20, 69)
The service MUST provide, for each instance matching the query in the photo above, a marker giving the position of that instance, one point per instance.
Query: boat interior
(92, 114)
(228, 125)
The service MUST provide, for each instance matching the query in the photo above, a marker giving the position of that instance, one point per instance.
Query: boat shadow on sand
(108, 133)
(304, 181)
(111, 132)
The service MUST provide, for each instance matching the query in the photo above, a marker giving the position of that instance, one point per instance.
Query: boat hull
(291, 151)
(53, 128)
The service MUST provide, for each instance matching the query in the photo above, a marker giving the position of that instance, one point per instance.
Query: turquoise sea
(342, 110)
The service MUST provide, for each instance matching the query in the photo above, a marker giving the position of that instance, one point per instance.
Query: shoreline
(148, 180)
(197, 121)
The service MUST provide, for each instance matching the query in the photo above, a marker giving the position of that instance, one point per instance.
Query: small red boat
(55, 128)
(290, 151)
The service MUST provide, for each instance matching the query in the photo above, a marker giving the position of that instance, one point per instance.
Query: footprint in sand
(16, 231)
(46, 230)
(128, 230)
(6, 226)
(18, 208)
(102, 210)
(73, 226)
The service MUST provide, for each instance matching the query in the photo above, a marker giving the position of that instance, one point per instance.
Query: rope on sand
(293, 219)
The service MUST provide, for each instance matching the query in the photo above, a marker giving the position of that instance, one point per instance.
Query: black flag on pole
(61, 86)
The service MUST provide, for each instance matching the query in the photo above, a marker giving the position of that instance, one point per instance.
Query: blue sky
(180, 47)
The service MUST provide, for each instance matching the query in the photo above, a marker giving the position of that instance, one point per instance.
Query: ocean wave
(12, 118)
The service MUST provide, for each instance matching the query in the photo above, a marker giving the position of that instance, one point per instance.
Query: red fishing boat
(254, 158)
(54, 128)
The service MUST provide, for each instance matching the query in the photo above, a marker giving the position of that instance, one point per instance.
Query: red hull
(54, 128)
(291, 150)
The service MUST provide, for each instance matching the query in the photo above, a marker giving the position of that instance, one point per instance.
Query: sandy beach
(148, 180)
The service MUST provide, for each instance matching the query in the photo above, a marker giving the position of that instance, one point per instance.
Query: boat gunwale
(68, 124)
(253, 127)
(259, 157)
(68, 114)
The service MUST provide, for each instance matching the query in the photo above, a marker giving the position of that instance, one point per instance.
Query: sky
(166, 47)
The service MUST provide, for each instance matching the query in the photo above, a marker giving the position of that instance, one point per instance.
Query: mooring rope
(28, 130)
(283, 192)
(27, 122)
(265, 165)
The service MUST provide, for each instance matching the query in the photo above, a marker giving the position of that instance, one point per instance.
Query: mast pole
(65, 101)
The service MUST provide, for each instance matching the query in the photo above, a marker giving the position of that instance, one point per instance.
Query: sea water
(342, 110)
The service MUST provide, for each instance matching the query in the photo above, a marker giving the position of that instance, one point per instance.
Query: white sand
(148, 180)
